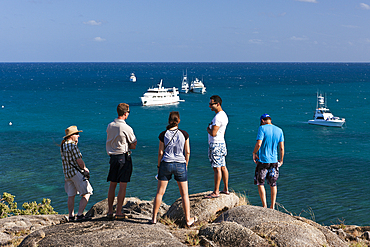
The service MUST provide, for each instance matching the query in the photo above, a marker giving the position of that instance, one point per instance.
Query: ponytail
(173, 119)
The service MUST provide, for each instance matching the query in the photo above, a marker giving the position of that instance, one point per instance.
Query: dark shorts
(166, 169)
(269, 171)
(119, 171)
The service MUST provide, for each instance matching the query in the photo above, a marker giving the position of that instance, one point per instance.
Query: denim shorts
(269, 171)
(166, 169)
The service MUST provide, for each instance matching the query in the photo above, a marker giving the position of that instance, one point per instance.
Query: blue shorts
(216, 154)
(269, 171)
(166, 169)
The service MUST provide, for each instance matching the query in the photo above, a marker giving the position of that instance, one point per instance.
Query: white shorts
(77, 185)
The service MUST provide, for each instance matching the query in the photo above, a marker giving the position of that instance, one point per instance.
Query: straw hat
(71, 130)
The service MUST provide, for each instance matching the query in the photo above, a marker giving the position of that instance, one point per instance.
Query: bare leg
(225, 178)
(183, 187)
(71, 204)
(121, 197)
(273, 196)
(262, 192)
(217, 177)
(161, 189)
(83, 202)
(111, 196)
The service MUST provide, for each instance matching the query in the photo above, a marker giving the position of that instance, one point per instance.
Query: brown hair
(216, 99)
(173, 119)
(122, 108)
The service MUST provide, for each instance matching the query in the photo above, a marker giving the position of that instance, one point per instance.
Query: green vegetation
(8, 207)
(192, 239)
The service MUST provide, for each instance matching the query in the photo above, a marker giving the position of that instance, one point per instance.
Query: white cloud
(299, 38)
(255, 41)
(307, 1)
(364, 6)
(99, 39)
(350, 26)
(92, 23)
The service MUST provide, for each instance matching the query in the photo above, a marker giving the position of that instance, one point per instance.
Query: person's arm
(82, 165)
(187, 151)
(213, 131)
(132, 145)
(281, 152)
(160, 152)
(256, 148)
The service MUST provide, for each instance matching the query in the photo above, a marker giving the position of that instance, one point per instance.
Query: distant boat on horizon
(197, 86)
(132, 77)
(184, 84)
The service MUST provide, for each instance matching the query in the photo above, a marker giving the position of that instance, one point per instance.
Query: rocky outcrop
(274, 227)
(13, 229)
(204, 209)
(221, 223)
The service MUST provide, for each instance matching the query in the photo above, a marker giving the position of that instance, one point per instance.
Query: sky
(184, 31)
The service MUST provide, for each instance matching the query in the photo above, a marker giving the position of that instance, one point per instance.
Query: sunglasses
(213, 103)
(128, 111)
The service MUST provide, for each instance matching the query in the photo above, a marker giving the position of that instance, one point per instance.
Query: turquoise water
(324, 173)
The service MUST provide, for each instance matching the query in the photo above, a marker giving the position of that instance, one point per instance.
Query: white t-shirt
(220, 120)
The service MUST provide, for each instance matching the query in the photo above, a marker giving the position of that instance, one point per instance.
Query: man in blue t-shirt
(268, 154)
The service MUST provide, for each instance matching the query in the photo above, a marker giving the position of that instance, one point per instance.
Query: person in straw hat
(76, 173)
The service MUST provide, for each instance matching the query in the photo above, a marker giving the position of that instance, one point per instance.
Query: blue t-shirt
(270, 135)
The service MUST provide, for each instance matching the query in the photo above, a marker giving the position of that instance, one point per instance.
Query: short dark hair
(216, 99)
(122, 108)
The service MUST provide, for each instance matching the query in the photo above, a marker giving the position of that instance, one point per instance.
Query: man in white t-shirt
(217, 147)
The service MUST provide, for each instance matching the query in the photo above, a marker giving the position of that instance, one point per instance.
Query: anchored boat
(323, 116)
(197, 86)
(133, 77)
(160, 96)
(184, 84)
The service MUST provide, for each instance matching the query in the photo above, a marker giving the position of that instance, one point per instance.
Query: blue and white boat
(323, 116)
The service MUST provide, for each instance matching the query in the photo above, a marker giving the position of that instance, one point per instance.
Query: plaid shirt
(70, 155)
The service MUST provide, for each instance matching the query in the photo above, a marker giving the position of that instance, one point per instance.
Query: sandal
(225, 192)
(192, 224)
(71, 218)
(110, 216)
(82, 217)
(211, 196)
(120, 217)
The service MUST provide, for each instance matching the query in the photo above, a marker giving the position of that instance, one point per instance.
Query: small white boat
(160, 96)
(184, 84)
(323, 116)
(132, 77)
(197, 86)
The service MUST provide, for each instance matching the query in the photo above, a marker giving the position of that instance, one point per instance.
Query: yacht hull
(151, 102)
(327, 123)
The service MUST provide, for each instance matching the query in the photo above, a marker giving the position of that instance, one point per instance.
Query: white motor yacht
(133, 77)
(197, 86)
(323, 116)
(184, 84)
(160, 96)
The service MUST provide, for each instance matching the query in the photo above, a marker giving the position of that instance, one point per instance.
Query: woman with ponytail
(173, 158)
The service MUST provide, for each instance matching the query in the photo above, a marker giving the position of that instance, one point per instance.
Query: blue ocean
(324, 176)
